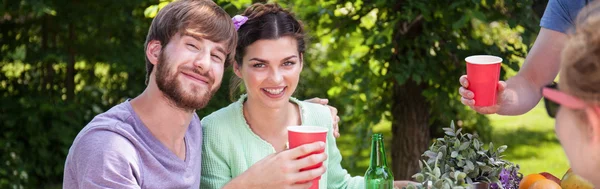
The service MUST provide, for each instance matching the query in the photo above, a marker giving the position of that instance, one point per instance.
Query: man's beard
(166, 80)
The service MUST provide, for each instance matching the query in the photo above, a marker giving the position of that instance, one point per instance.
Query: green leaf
(479, 15)
(454, 154)
(461, 22)
(502, 148)
(162, 4)
(437, 172)
(438, 184)
(151, 11)
(486, 168)
(464, 146)
(430, 154)
(450, 133)
(419, 177)
(462, 176)
(470, 165)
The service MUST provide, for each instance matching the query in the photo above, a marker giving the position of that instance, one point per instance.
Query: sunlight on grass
(531, 141)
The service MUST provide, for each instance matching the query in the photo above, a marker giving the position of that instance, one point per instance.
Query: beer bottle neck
(378, 158)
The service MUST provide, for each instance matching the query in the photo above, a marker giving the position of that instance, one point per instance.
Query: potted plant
(460, 160)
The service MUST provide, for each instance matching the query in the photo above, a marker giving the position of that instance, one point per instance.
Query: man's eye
(217, 57)
(191, 45)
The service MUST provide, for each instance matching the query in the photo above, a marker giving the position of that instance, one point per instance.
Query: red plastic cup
(299, 135)
(483, 73)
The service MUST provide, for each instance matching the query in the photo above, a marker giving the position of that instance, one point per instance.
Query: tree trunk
(410, 128)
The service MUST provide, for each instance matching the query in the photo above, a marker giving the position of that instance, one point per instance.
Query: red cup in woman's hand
(299, 135)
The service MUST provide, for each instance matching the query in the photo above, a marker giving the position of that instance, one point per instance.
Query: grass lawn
(531, 141)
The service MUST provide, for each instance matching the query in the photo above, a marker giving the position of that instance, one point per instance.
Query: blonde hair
(580, 64)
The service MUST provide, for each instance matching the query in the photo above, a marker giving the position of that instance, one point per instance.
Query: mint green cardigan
(230, 147)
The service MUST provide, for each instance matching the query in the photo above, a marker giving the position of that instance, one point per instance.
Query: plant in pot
(460, 161)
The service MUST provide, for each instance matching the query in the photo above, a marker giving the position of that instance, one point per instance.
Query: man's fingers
(336, 128)
(501, 86)
(333, 110)
(466, 93)
(468, 102)
(464, 81)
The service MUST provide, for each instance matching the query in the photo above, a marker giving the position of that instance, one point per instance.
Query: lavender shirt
(116, 150)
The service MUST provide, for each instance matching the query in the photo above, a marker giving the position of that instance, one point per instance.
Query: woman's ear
(236, 69)
(593, 119)
(153, 51)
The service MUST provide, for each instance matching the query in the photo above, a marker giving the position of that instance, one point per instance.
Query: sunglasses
(554, 99)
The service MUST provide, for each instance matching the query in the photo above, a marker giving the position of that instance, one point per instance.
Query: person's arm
(102, 159)
(542, 64)
(332, 110)
(523, 91)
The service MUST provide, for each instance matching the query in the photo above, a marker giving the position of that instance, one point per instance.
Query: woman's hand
(282, 170)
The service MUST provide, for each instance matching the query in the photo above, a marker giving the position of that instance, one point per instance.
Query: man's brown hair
(203, 18)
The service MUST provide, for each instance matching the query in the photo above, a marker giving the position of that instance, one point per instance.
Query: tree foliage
(62, 62)
(372, 52)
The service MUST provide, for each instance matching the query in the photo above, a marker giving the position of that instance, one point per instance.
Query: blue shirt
(560, 15)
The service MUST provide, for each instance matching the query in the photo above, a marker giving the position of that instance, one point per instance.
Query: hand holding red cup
(483, 72)
(299, 135)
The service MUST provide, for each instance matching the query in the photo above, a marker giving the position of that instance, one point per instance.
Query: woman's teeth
(274, 91)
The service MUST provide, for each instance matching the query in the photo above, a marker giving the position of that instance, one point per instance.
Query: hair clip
(238, 21)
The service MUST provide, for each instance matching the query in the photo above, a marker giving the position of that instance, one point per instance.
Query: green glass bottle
(379, 175)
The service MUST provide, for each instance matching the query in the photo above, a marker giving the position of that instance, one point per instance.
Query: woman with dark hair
(245, 143)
